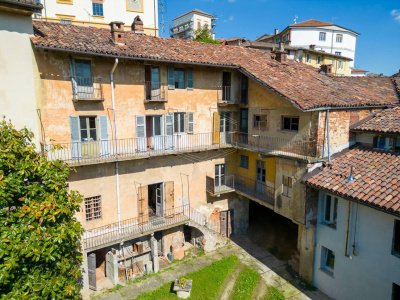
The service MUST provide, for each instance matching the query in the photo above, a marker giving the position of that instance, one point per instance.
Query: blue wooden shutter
(104, 137)
(171, 79)
(76, 149)
(189, 78)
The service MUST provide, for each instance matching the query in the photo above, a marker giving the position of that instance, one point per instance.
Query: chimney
(280, 56)
(276, 30)
(281, 47)
(327, 69)
(117, 32)
(137, 25)
(312, 47)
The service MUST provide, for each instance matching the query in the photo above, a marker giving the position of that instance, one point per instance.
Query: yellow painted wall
(327, 60)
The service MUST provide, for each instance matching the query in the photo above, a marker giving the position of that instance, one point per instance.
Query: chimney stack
(117, 32)
(312, 47)
(281, 47)
(327, 69)
(276, 30)
(137, 25)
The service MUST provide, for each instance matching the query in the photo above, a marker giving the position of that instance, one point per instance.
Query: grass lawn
(245, 284)
(274, 294)
(206, 282)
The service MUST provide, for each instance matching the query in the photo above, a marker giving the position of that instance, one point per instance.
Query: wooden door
(143, 204)
(226, 222)
(92, 271)
(169, 199)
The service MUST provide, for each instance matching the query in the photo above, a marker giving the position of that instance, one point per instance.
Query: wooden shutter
(189, 78)
(76, 149)
(216, 124)
(169, 199)
(143, 204)
(141, 133)
(92, 271)
(190, 122)
(171, 79)
(169, 131)
(104, 137)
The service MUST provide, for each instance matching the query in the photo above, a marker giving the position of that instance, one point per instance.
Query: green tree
(203, 34)
(39, 239)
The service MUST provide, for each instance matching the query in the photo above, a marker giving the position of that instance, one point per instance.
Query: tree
(39, 239)
(204, 35)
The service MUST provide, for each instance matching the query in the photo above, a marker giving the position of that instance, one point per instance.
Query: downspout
(328, 136)
(347, 230)
(115, 142)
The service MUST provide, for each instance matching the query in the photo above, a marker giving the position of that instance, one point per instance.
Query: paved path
(273, 272)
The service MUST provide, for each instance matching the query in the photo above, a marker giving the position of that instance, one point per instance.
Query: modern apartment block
(100, 13)
(185, 25)
(326, 36)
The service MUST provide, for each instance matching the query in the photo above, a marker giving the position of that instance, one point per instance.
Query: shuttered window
(190, 125)
(179, 122)
(88, 129)
(180, 78)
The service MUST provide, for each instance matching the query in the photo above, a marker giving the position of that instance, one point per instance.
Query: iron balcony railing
(122, 149)
(86, 88)
(255, 189)
(204, 221)
(224, 94)
(300, 147)
(155, 91)
(135, 227)
(220, 185)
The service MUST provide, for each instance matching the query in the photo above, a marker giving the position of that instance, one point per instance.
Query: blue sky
(378, 22)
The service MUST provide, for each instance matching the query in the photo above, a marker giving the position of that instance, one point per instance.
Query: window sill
(328, 225)
(327, 272)
(98, 17)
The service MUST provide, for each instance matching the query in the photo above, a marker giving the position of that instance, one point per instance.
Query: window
(396, 238)
(179, 122)
(322, 36)
(65, 21)
(88, 128)
(339, 38)
(287, 37)
(290, 123)
(260, 122)
(338, 53)
(308, 58)
(395, 292)
(319, 60)
(93, 208)
(330, 210)
(98, 9)
(260, 171)
(225, 122)
(177, 79)
(244, 161)
(384, 143)
(286, 185)
(340, 64)
(276, 41)
(327, 260)
(244, 92)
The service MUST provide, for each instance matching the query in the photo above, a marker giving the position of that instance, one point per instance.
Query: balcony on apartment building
(155, 92)
(226, 96)
(91, 152)
(87, 89)
(255, 190)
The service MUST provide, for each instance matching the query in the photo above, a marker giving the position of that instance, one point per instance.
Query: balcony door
(220, 175)
(226, 86)
(153, 88)
(155, 128)
(83, 79)
(244, 126)
(225, 127)
(260, 176)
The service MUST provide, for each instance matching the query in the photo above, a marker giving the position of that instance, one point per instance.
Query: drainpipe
(328, 137)
(115, 142)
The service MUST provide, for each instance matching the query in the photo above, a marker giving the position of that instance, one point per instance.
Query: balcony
(217, 186)
(118, 232)
(155, 92)
(255, 190)
(227, 97)
(300, 147)
(92, 152)
(87, 89)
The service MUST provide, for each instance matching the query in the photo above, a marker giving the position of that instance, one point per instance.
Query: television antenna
(162, 7)
(89, 15)
(295, 19)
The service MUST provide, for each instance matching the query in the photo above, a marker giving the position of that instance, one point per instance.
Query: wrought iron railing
(225, 94)
(155, 91)
(122, 149)
(255, 189)
(86, 88)
(220, 185)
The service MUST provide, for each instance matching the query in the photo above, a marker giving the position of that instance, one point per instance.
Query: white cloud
(396, 14)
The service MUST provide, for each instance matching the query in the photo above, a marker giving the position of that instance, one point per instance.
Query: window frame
(396, 252)
(338, 53)
(244, 161)
(258, 124)
(333, 210)
(99, 207)
(179, 121)
(324, 260)
(88, 128)
(322, 36)
(308, 58)
(98, 9)
(339, 38)
(286, 189)
(319, 60)
(177, 76)
(291, 123)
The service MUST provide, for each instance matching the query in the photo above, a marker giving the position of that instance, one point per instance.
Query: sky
(378, 22)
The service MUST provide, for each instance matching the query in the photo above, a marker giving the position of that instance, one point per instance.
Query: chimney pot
(280, 56)
(276, 30)
(117, 32)
(312, 47)
(137, 25)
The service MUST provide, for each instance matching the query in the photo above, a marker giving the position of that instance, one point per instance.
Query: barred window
(93, 208)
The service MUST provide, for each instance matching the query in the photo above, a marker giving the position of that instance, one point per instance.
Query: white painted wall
(17, 89)
(370, 273)
(195, 18)
(304, 37)
(114, 10)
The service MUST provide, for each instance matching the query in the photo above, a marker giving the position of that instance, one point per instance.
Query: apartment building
(357, 238)
(100, 13)
(185, 25)
(326, 36)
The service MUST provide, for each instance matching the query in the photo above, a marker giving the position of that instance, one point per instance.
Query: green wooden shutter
(189, 78)
(171, 79)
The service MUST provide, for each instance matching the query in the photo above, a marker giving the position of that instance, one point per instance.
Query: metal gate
(92, 271)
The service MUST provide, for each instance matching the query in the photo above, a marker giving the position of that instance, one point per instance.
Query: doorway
(225, 127)
(152, 78)
(244, 126)
(260, 176)
(154, 132)
(220, 175)
(156, 199)
(226, 86)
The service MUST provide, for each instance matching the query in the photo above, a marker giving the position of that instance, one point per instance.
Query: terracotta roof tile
(300, 84)
(387, 120)
(312, 23)
(376, 194)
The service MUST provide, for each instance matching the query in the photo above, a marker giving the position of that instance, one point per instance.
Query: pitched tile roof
(387, 121)
(311, 22)
(300, 84)
(23, 2)
(377, 175)
(358, 70)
